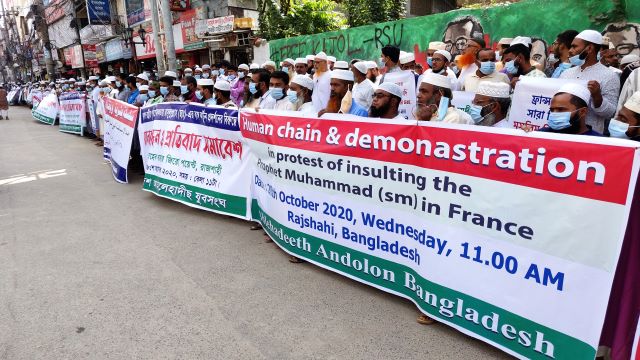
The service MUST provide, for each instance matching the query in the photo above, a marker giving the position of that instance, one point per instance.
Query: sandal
(295, 260)
(425, 320)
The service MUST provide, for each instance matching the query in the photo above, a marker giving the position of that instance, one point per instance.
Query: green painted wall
(542, 19)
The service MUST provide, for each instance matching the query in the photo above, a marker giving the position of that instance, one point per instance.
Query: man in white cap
(486, 62)
(331, 61)
(373, 73)
(143, 95)
(386, 100)
(440, 61)
(288, 65)
(341, 65)
(321, 81)
(568, 112)
(491, 104)
(603, 83)
(626, 124)
(206, 71)
(222, 94)
(204, 92)
(503, 44)
(270, 66)
(301, 66)
(341, 100)
(434, 101)
(407, 61)
(310, 64)
(187, 72)
(197, 73)
(254, 66)
(299, 94)
(432, 48)
(628, 59)
(363, 88)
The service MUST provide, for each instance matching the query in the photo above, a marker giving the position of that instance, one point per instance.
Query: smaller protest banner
(73, 115)
(531, 101)
(462, 100)
(93, 122)
(47, 109)
(119, 122)
(36, 98)
(407, 81)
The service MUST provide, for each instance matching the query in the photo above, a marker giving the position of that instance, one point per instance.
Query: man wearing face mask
(626, 125)
(568, 112)
(386, 100)
(259, 89)
(143, 96)
(132, 84)
(197, 73)
(237, 87)
(486, 62)
(434, 101)
(603, 83)
(517, 62)
(561, 51)
(431, 49)
(363, 88)
(321, 81)
(440, 65)
(155, 97)
(206, 71)
(166, 82)
(278, 86)
(389, 60)
(187, 72)
(288, 66)
(204, 92)
(188, 90)
(340, 100)
(491, 104)
(299, 94)
(222, 94)
(123, 89)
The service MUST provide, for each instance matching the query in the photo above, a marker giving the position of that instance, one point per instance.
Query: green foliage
(361, 12)
(300, 17)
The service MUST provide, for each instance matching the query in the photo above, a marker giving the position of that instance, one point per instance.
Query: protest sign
(462, 100)
(119, 124)
(531, 101)
(73, 115)
(36, 98)
(493, 232)
(92, 115)
(47, 109)
(196, 155)
(407, 81)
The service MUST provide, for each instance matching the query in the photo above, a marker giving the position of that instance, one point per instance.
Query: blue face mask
(241, 74)
(199, 95)
(143, 97)
(276, 93)
(221, 71)
(285, 69)
(164, 90)
(598, 57)
(231, 77)
(152, 93)
(184, 89)
(476, 112)
(198, 77)
(430, 62)
(292, 96)
(252, 88)
(559, 120)
(618, 129)
(118, 84)
(487, 67)
(443, 107)
(576, 60)
(511, 67)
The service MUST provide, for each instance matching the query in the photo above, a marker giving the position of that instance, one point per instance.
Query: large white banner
(47, 109)
(119, 121)
(196, 155)
(73, 115)
(510, 238)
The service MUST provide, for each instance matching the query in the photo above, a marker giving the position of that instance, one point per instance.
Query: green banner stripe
(436, 300)
(42, 118)
(236, 205)
(75, 129)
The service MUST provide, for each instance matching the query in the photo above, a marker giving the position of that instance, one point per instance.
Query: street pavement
(93, 269)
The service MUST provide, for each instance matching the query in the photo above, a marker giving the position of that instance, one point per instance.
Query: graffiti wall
(540, 19)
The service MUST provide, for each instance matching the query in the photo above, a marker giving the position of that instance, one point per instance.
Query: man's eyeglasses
(379, 95)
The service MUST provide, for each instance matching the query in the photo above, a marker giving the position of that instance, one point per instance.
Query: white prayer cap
(188, 70)
(524, 40)
(591, 36)
(493, 89)
(341, 65)
(361, 66)
(71, 80)
(111, 79)
(289, 60)
(144, 87)
(300, 61)
(81, 83)
(371, 64)
(254, 66)
(171, 74)
(633, 103)
(206, 67)
(407, 58)
(95, 78)
(436, 80)
(444, 53)
(205, 82)
(579, 90)
(176, 83)
(198, 69)
(243, 67)
(103, 83)
(628, 59)
(331, 58)
(505, 41)
(310, 57)
(303, 80)
(320, 56)
(342, 75)
(269, 63)
(436, 45)
(222, 85)
(143, 76)
(391, 88)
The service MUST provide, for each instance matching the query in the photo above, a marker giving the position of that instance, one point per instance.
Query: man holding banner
(569, 111)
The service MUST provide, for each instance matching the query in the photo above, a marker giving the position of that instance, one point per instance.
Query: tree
(287, 18)
(373, 11)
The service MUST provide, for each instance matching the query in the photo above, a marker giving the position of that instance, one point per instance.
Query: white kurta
(321, 90)
(363, 93)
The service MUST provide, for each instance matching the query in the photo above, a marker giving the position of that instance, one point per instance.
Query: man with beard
(340, 100)
(321, 80)
(561, 51)
(373, 73)
(467, 61)
(491, 104)
(386, 100)
(299, 94)
(434, 101)
(259, 90)
(626, 124)
(568, 112)
(432, 48)
(440, 65)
